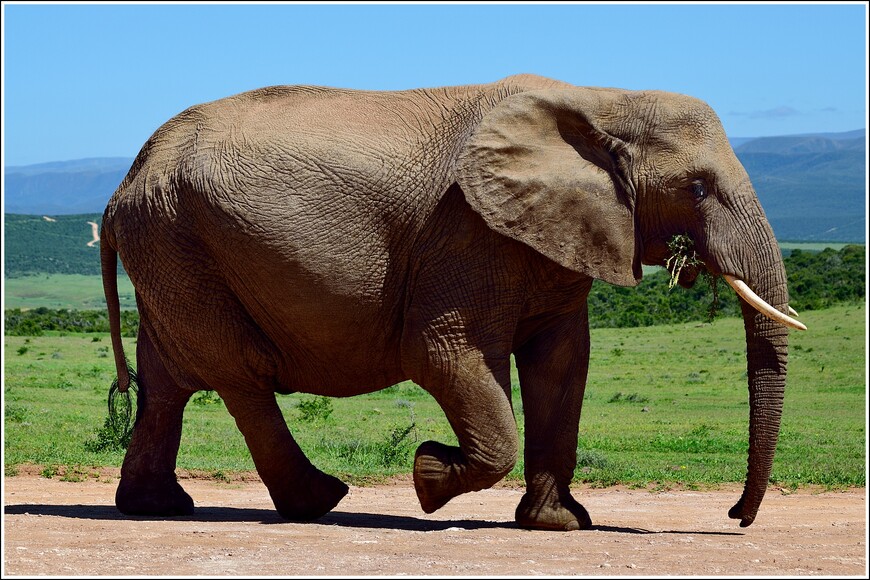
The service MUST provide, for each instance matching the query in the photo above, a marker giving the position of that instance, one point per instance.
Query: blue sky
(96, 80)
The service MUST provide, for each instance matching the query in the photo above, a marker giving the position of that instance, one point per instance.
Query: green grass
(787, 247)
(71, 291)
(665, 405)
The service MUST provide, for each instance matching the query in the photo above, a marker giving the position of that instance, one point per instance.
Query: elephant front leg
(300, 491)
(552, 369)
(476, 403)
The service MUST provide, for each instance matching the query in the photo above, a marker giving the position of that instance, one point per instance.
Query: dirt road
(62, 528)
(95, 233)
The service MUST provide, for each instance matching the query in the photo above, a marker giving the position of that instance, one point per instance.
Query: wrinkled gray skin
(337, 242)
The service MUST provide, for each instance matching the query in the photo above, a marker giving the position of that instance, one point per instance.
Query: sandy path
(95, 230)
(58, 528)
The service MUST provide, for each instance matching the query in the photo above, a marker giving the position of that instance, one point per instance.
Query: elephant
(337, 241)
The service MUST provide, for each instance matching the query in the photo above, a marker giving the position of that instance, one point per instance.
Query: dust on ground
(60, 528)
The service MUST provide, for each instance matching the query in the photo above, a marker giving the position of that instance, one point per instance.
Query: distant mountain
(812, 187)
(847, 135)
(798, 144)
(63, 187)
(98, 164)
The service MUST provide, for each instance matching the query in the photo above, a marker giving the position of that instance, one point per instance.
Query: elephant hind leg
(148, 485)
(299, 490)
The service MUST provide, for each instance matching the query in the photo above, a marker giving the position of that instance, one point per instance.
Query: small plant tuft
(108, 438)
(591, 459)
(316, 409)
(219, 475)
(207, 398)
(694, 377)
(394, 449)
(623, 398)
(15, 413)
(74, 475)
(48, 471)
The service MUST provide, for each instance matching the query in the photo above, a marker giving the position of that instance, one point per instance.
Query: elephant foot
(435, 474)
(322, 492)
(153, 497)
(553, 511)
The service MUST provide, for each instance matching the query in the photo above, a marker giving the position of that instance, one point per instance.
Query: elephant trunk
(766, 357)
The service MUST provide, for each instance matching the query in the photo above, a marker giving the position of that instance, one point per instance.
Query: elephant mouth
(688, 276)
(682, 261)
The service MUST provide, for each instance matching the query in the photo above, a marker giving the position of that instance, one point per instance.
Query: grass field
(70, 291)
(665, 406)
(812, 246)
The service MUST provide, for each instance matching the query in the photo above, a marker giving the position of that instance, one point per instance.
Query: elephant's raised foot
(155, 497)
(435, 478)
(321, 493)
(562, 514)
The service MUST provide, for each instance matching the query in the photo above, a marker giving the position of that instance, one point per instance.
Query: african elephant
(336, 242)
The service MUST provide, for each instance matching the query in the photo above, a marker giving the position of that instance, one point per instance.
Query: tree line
(817, 280)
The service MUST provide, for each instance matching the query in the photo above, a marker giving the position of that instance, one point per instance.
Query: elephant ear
(541, 168)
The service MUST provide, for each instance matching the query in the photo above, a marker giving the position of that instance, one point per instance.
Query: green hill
(812, 187)
(37, 244)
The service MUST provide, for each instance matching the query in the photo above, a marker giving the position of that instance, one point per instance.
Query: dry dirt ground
(52, 527)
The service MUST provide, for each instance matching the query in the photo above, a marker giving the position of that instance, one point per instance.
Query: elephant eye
(699, 190)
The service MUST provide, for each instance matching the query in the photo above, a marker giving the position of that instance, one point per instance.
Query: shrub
(316, 409)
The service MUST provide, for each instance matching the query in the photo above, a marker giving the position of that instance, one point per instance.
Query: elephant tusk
(793, 312)
(756, 302)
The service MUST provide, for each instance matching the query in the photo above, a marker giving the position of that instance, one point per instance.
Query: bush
(35, 322)
(316, 409)
(816, 280)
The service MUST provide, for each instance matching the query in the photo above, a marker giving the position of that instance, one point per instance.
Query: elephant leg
(300, 491)
(552, 369)
(148, 485)
(476, 401)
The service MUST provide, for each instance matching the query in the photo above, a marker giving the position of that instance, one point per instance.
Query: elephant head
(599, 180)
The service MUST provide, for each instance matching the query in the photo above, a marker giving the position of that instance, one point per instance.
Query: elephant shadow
(264, 516)
(334, 518)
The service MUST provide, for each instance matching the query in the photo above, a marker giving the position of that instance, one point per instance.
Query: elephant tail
(126, 376)
(120, 420)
